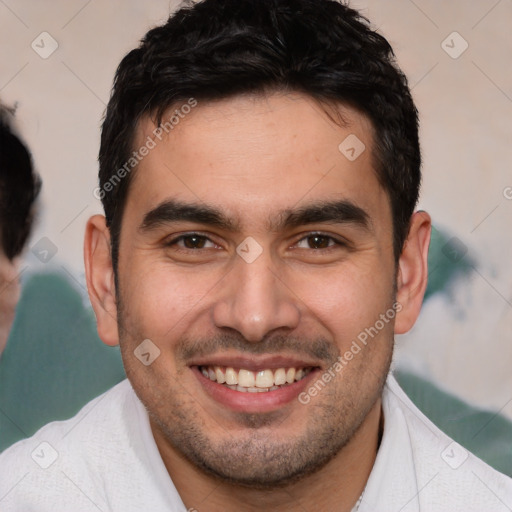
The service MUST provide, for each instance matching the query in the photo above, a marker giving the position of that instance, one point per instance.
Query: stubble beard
(256, 458)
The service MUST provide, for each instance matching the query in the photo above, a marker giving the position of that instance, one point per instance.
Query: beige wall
(462, 341)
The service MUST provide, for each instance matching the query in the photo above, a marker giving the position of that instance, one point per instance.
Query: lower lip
(241, 401)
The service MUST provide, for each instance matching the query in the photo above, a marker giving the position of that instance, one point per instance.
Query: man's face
(9, 296)
(296, 263)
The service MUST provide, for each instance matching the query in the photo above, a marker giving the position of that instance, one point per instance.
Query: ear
(413, 272)
(100, 278)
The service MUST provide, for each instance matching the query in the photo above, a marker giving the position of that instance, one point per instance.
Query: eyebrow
(334, 212)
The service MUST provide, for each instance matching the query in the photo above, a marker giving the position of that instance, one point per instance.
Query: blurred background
(58, 58)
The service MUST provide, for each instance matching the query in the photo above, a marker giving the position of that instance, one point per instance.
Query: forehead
(253, 156)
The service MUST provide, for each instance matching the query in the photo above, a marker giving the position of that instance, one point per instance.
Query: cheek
(160, 300)
(9, 296)
(346, 301)
(9, 290)
(8, 300)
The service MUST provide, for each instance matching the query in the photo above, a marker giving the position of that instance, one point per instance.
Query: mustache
(318, 348)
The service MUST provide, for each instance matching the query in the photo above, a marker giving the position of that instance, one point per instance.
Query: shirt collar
(392, 485)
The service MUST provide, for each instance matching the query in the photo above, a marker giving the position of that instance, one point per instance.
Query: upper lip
(254, 363)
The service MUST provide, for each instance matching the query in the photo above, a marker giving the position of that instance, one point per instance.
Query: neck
(336, 486)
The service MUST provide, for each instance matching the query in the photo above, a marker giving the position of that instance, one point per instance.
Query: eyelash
(337, 242)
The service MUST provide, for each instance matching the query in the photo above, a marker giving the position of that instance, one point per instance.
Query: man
(259, 170)
(19, 187)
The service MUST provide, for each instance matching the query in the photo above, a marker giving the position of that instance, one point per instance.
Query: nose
(256, 301)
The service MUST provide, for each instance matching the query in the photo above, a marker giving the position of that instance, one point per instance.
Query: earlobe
(413, 272)
(100, 278)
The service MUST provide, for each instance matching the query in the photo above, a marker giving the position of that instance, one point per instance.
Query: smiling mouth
(247, 381)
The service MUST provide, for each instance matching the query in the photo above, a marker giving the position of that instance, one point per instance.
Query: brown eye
(317, 241)
(194, 241)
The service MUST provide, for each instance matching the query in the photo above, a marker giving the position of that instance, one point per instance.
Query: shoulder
(99, 412)
(59, 455)
(447, 474)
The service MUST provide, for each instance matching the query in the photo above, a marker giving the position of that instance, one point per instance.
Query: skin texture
(9, 296)
(303, 299)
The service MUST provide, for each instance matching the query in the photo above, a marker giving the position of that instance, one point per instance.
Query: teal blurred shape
(448, 260)
(54, 361)
(484, 433)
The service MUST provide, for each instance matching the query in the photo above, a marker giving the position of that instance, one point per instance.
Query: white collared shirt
(105, 458)
(420, 469)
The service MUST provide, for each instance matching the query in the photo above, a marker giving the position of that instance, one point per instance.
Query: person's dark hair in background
(19, 188)
(248, 49)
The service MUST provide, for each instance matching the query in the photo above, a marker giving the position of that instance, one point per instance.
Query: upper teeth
(263, 379)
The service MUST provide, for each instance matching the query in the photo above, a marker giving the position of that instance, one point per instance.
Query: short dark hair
(19, 188)
(216, 49)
